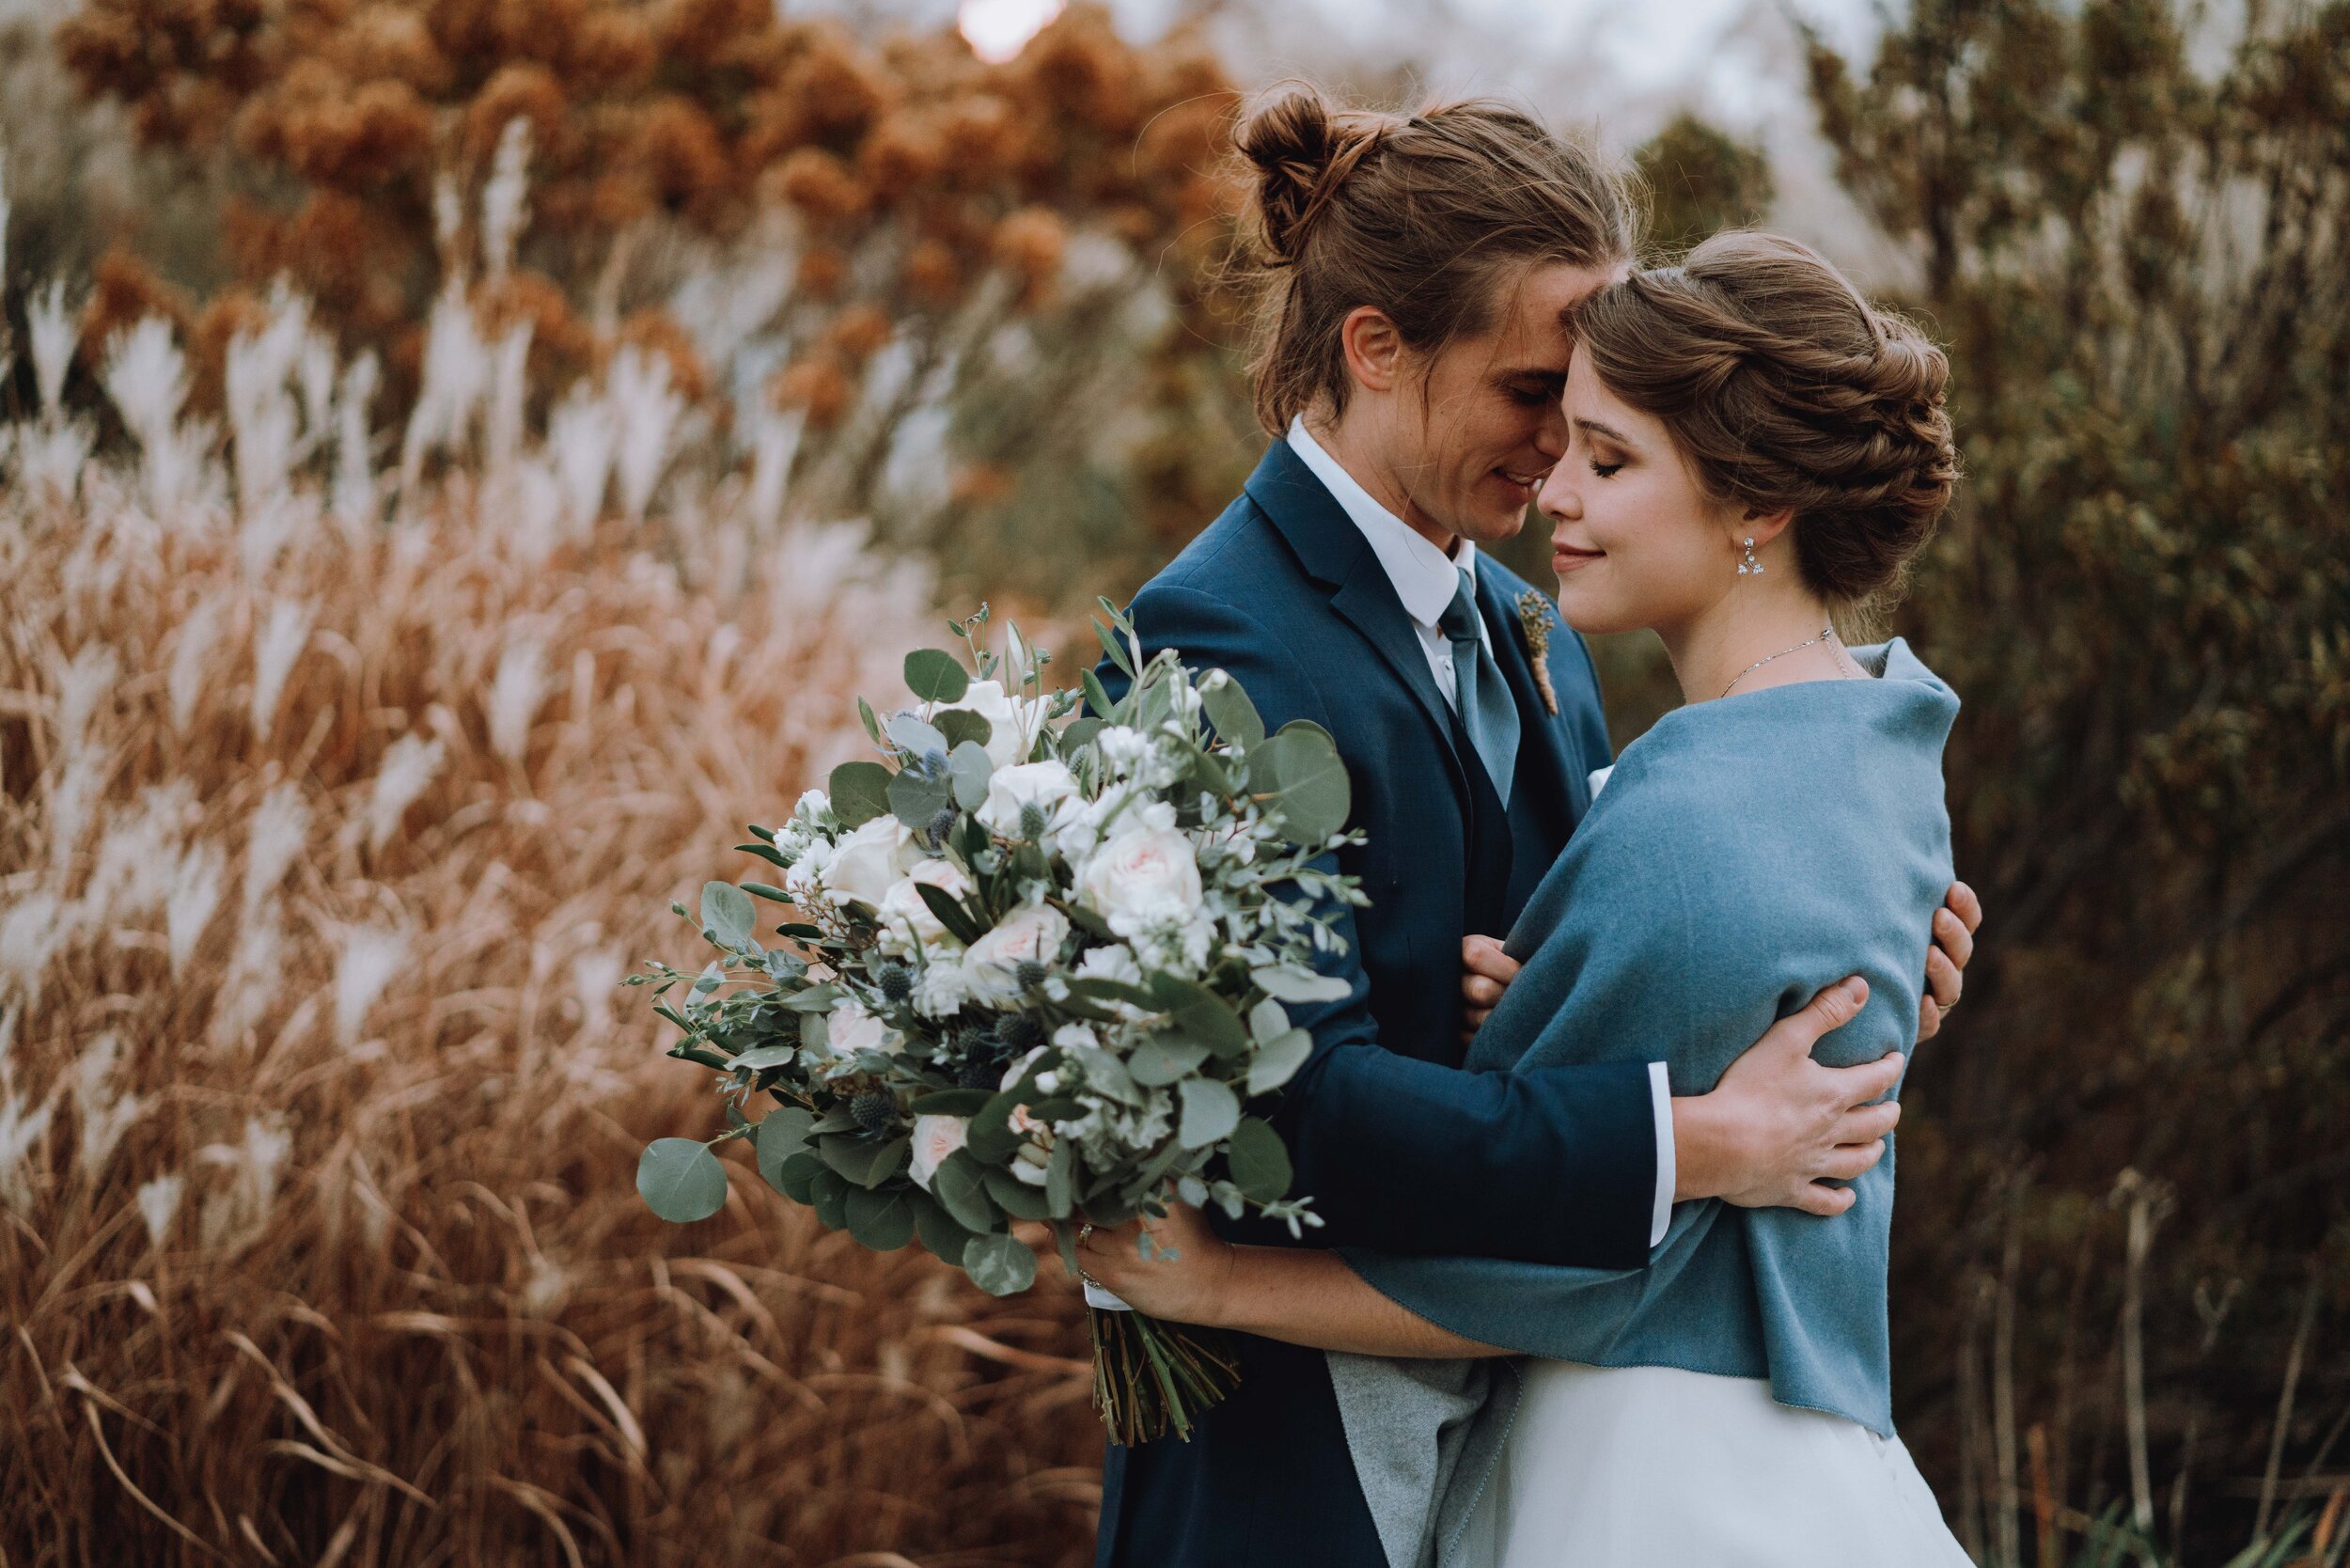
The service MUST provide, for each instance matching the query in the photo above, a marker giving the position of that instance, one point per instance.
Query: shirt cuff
(1661, 1099)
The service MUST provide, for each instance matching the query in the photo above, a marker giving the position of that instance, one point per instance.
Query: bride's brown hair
(1418, 215)
(1786, 390)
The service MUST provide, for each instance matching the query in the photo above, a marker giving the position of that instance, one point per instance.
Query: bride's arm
(1306, 1296)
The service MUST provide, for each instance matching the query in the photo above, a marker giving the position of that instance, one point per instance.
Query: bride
(1754, 451)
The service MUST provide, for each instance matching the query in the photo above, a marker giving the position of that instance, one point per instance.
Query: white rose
(1140, 879)
(935, 1138)
(904, 910)
(867, 862)
(1011, 721)
(1012, 791)
(995, 958)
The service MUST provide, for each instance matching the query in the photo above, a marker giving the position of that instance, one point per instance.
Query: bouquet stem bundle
(1150, 1378)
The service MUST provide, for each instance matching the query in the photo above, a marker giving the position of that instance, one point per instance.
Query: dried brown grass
(441, 1327)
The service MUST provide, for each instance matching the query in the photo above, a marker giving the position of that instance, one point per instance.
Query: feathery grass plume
(83, 682)
(159, 1205)
(457, 373)
(774, 444)
(372, 956)
(23, 1126)
(645, 412)
(49, 457)
(32, 930)
(354, 494)
(255, 974)
(515, 693)
(103, 1112)
(265, 424)
(234, 1213)
(506, 200)
(147, 376)
(502, 426)
(279, 643)
(279, 826)
(579, 438)
(53, 330)
(410, 764)
(194, 898)
(191, 657)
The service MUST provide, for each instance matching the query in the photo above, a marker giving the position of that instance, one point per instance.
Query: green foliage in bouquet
(1037, 971)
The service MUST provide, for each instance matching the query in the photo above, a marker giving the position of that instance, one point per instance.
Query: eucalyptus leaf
(916, 735)
(917, 798)
(860, 793)
(861, 1160)
(1060, 1177)
(682, 1180)
(728, 914)
(1278, 1060)
(999, 1264)
(940, 1233)
(782, 1135)
(828, 1195)
(796, 1177)
(960, 1184)
(970, 768)
(1201, 1014)
(1077, 735)
(950, 1102)
(1313, 794)
(881, 1221)
(960, 724)
(1014, 1196)
(1229, 709)
(1268, 1020)
(1292, 983)
(1258, 1161)
(1210, 1111)
(761, 1058)
(1161, 1060)
(936, 676)
(991, 1140)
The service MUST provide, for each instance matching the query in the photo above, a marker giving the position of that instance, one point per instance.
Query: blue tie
(1479, 695)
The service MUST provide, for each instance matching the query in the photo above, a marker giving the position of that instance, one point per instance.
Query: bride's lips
(1566, 558)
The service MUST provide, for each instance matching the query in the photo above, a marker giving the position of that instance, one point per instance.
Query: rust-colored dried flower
(563, 348)
(817, 384)
(904, 149)
(1079, 66)
(124, 293)
(390, 43)
(858, 332)
(931, 274)
(821, 271)
(820, 185)
(223, 316)
(658, 332)
(521, 90)
(711, 35)
(680, 155)
(611, 51)
(835, 86)
(1031, 243)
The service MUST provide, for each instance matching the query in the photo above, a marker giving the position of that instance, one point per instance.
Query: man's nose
(1551, 439)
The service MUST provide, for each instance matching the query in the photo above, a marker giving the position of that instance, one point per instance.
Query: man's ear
(1374, 350)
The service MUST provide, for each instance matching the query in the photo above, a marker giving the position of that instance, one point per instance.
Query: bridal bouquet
(1036, 970)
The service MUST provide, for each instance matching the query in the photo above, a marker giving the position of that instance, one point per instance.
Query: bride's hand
(1181, 1287)
(1486, 972)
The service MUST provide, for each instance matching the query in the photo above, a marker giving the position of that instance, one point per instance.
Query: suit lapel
(1542, 742)
(1334, 554)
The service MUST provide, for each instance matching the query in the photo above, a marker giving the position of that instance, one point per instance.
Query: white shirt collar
(1425, 577)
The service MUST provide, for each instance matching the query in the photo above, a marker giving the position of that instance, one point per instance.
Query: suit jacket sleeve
(1554, 1164)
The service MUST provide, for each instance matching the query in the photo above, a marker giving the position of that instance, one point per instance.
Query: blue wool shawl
(1745, 854)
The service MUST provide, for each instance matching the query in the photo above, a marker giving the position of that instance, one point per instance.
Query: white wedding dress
(1651, 1466)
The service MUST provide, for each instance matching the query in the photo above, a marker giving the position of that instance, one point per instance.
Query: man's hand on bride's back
(1779, 1125)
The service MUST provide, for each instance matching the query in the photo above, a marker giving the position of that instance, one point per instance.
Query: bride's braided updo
(1785, 389)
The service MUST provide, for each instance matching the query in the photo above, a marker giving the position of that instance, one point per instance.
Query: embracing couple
(1604, 1275)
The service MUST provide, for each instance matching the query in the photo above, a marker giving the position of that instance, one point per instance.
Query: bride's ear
(1760, 526)
(1374, 350)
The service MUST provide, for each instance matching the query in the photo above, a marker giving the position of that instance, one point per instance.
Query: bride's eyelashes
(1605, 470)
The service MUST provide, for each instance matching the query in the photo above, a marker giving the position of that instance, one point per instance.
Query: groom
(1412, 368)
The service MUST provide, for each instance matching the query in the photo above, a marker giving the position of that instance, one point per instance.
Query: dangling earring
(1749, 566)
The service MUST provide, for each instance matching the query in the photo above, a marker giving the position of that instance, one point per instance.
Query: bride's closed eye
(1605, 470)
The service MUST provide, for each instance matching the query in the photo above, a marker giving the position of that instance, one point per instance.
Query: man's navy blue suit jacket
(1399, 1148)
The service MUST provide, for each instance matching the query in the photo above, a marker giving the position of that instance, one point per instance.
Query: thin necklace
(1825, 633)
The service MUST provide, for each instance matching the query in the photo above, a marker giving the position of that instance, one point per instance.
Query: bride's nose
(1559, 498)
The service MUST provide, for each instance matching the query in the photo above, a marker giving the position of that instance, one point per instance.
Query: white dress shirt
(1426, 579)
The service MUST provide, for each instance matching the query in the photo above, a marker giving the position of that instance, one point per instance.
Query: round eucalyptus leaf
(728, 914)
(682, 1180)
(881, 1221)
(1001, 1265)
(1258, 1161)
(1211, 1110)
(781, 1135)
(936, 676)
(860, 793)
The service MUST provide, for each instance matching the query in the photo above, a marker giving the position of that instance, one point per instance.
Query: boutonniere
(1536, 615)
